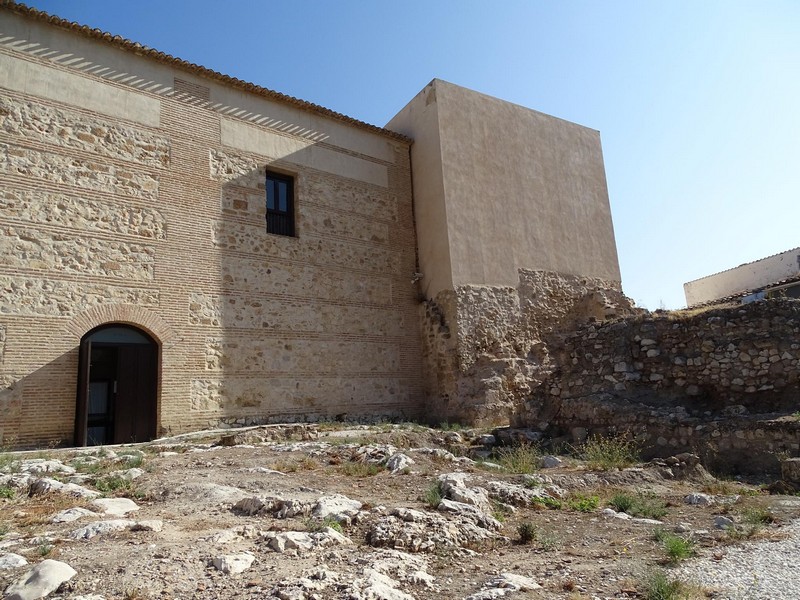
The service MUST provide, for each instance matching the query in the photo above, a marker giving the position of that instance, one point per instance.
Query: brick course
(105, 220)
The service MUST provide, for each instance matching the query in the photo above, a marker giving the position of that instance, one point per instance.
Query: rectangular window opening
(280, 204)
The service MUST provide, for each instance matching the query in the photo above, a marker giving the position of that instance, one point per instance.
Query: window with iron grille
(280, 204)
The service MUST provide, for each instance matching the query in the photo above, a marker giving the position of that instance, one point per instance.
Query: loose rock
(116, 507)
(233, 564)
(12, 561)
(41, 580)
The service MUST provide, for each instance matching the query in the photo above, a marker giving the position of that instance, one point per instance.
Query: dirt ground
(573, 549)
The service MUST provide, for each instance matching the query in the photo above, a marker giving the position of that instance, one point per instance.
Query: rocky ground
(383, 512)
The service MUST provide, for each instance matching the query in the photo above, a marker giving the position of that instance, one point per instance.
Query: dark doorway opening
(117, 386)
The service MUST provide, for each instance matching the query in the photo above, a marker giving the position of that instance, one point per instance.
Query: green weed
(500, 511)
(93, 467)
(677, 548)
(445, 426)
(9, 462)
(522, 459)
(527, 532)
(647, 505)
(530, 533)
(658, 586)
(547, 502)
(317, 525)
(583, 503)
(132, 459)
(757, 515)
(433, 495)
(608, 453)
(114, 484)
(359, 469)
(7, 492)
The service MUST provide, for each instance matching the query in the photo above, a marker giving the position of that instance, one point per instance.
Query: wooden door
(135, 398)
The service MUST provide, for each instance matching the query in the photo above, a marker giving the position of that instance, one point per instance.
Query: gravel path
(767, 570)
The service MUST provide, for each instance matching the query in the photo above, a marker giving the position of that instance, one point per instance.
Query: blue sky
(697, 102)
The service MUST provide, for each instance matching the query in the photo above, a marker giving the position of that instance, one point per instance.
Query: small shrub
(547, 502)
(315, 525)
(359, 469)
(433, 495)
(756, 515)
(9, 462)
(44, 549)
(287, 466)
(132, 459)
(583, 503)
(719, 488)
(500, 511)
(658, 586)
(445, 426)
(4, 529)
(608, 453)
(621, 502)
(548, 540)
(114, 484)
(676, 547)
(646, 505)
(7, 492)
(649, 506)
(307, 464)
(522, 459)
(527, 532)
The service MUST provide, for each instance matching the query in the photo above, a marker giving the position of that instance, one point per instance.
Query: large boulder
(40, 580)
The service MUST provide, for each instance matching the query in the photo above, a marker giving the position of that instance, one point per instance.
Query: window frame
(279, 222)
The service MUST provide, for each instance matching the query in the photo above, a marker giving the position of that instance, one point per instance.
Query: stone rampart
(724, 383)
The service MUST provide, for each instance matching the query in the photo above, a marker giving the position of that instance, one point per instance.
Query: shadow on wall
(44, 429)
(309, 326)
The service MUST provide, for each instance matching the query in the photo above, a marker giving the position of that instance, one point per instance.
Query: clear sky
(697, 101)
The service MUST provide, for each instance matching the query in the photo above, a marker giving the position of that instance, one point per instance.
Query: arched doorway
(117, 386)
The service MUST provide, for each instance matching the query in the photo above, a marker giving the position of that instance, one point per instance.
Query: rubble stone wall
(104, 206)
(724, 382)
(485, 346)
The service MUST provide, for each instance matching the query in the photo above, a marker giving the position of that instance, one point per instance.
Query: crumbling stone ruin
(723, 383)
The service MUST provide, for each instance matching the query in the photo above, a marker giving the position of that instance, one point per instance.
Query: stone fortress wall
(488, 348)
(133, 192)
(724, 383)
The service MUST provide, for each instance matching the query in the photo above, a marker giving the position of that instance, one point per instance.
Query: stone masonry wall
(724, 383)
(111, 214)
(485, 346)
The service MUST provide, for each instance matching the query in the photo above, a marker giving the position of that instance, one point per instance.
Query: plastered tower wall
(515, 243)
(504, 188)
(133, 192)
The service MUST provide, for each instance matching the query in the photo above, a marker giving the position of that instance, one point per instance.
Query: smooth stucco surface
(420, 119)
(745, 277)
(520, 190)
